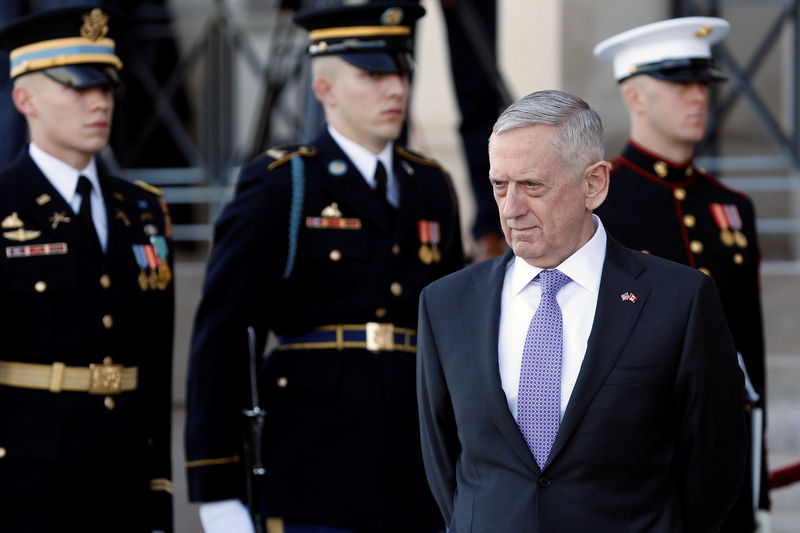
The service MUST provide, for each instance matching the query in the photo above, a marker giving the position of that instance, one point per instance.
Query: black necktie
(84, 189)
(380, 181)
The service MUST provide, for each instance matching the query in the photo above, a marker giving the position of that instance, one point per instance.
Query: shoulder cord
(295, 213)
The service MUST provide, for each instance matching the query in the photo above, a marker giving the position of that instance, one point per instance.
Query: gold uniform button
(738, 259)
(108, 321)
(380, 312)
(705, 271)
(689, 220)
(335, 255)
(646, 252)
(2, 452)
(105, 281)
(696, 247)
(661, 169)
(396, 249)
(109, 403)
(396, 289)
(679, 193)
(40, 286)
(282, 382)
(689, 171)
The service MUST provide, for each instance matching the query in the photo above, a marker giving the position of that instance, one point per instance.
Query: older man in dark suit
(573, 384)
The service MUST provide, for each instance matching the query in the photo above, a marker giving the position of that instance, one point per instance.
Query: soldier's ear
(633, 96)
(24, 100)
(322, 86)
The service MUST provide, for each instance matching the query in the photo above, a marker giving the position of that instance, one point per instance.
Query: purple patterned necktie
(539, 396)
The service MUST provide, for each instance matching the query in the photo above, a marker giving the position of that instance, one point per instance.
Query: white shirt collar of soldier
(366, 162)
(64, 178)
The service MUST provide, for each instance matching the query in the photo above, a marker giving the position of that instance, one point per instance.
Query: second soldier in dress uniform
(327, 245)
(660, 202)
(87, 300)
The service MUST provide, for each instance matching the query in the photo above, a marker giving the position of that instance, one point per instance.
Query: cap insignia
(95, 25)
(705, 31)
(392, 16)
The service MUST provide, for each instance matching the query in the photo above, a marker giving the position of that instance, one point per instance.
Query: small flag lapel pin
(628, 297)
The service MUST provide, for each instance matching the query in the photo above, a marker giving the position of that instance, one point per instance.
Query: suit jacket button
(544, 482)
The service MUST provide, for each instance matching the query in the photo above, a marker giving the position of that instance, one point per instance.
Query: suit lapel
(484, 351)
(348, 187)
(613, 321)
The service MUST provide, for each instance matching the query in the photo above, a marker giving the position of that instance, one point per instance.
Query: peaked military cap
(70, 45)
(674, 50)
(376, 36)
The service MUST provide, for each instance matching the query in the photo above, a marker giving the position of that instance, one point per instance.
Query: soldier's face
(545, 203)
(367, 107)
(677, 112)
(71, 124)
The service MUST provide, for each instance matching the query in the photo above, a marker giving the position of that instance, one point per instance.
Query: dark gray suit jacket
(652, 439)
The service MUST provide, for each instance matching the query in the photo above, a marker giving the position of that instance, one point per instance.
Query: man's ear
(322, 86)
(633, 96)
(24, 100)
(596, 180)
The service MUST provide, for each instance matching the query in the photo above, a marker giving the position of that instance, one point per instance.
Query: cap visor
(380, 62)
(83, 76)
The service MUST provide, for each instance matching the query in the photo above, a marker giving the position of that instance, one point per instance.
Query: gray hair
(580, 130)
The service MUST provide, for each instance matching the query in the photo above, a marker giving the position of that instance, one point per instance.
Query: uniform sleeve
(246, 262)
(711, 438)
(440, 446)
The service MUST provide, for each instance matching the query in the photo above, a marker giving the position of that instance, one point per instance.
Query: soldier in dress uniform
(328, 246)
(660, 202)
(86, 286)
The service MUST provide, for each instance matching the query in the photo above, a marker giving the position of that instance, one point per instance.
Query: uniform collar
(62, 176)
(657, 166)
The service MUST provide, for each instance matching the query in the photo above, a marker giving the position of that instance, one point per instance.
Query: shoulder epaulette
(283, 153)
(402, 152)
(149, 188)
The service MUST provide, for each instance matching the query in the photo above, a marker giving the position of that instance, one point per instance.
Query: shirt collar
(585, 266)
(62, 176)
(364, 160)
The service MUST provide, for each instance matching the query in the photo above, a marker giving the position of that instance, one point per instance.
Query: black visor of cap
(683, 70)
(84, 76)
(385, 63)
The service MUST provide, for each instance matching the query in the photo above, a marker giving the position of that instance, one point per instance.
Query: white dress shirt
(366, 162)
(64, 179)
(577, 299)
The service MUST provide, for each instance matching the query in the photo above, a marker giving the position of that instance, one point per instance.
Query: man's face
(544, 204)
(367, 107)
(71, 124)
(677, 112)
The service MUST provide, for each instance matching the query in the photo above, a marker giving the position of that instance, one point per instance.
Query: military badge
(333, 223)
(332, 211)
(119, 214)
(429, 238)
(43, 199)
(12, 221)
(58, 218)
(21, 235)
(727, 218)
(337, 167)
(164, 272)
(53, 248)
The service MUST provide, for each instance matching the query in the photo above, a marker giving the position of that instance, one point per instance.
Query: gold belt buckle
(105, 379)
(380, 337)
